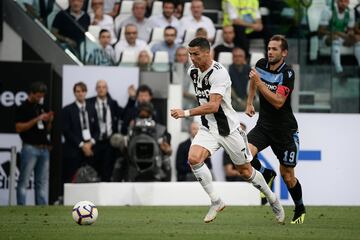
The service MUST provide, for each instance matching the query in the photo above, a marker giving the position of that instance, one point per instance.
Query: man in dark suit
(109, 115)
(80, 129)
(183, 169)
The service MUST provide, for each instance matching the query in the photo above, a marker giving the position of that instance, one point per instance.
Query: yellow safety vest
(246, 9)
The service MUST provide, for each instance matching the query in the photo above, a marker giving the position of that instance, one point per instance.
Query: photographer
(148, 149)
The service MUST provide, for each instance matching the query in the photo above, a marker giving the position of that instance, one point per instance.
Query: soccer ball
(84, 213)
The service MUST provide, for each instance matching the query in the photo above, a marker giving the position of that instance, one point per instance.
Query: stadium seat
(118, 21)
(125, 11)
(218, 37)
(95, 30)
(128, 57)
(225, 58)
(126, 7)
(188, 36)
(255, 56)
(121, 35)
(156, 8)
(63, 4)
(89, 47)
(187, 9)
(353, 3)
(157, 35)
(89, 8)
(161, 57)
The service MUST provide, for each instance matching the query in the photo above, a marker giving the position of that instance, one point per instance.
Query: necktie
(84, 125)
(104, 107)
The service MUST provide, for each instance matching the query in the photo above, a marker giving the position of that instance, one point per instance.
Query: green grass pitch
(55, 222)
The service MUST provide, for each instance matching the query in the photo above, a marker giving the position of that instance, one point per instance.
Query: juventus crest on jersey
(215, 80)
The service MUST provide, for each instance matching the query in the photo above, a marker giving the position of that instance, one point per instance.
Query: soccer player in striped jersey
(220, 128)
(276, 126)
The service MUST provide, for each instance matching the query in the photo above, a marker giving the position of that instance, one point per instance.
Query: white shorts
(235, 144)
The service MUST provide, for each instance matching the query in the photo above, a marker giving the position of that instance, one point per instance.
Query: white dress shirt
(190, 22)
(124, 45)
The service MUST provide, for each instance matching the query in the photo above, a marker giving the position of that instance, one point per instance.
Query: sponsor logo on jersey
(271, 87)
(203, 93)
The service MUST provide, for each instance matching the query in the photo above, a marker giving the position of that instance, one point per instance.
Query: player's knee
(244, 171)
(194, 159)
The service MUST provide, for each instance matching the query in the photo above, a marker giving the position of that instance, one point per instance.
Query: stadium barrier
(159, 193)
(12, 170)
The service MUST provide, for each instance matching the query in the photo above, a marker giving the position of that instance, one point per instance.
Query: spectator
(183, 170)
(167, 18)
(144, 61)
(201, 32)
(168, 44)
(131, 42)
(231, 174)
(197, 20)
(109, 115)
(341, 32)
(80, 130)
(64, 28)
(138, 18)
(239, 74)
(246, 18)
(179, 8)
(99, 18)
(105, 55)
(112, 7)
(33, 124)
(39, 9)
(142, 95)
(189, 98)
(228, 44)
(182, 56)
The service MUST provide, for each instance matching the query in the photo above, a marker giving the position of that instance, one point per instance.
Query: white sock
(336, 55)
(357, 52)
(257, 179)
(203, 175)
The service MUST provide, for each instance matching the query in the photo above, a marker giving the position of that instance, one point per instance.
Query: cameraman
(136, 97)
(149, 147)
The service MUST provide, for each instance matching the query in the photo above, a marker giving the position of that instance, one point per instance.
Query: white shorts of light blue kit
(235, 144)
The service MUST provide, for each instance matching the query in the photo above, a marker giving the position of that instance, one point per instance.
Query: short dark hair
(81, 85)
(170, 27)
(102, 31)
(200, 42)
(169, 1)
(282, 39)
(38, 87)
(144, 88)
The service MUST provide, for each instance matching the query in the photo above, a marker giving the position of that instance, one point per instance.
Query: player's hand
(254, 76)
(250, 110)
(177, 113)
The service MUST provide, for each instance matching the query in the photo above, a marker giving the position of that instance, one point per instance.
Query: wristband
(187, 113)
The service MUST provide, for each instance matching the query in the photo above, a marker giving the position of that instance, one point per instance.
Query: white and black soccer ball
(84, 213)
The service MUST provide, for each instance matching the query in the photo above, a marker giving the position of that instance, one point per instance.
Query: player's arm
(210, 107)
(276, 99)
(250, 110)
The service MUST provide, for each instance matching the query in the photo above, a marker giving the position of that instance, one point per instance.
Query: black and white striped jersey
(215, 80)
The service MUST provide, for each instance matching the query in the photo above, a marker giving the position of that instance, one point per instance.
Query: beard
(274, 61)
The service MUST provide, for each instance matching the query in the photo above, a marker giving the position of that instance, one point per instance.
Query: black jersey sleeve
(288, 78)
